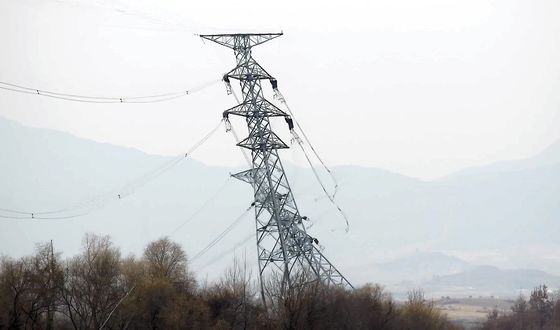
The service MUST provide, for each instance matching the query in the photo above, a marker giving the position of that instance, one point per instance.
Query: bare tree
(45, 276)
(164, 294)
(541, 305)
(418, 313)
(97, 288)
(232, 301)
(29, 289)
(13, 285)
(93, 283)
(166, 259)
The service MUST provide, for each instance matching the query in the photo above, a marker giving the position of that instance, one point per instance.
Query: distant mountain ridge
(494, 280)
(548, 156)
(422, 265)
(390, 214)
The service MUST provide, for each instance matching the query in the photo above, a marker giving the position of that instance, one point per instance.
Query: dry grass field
(471, 312)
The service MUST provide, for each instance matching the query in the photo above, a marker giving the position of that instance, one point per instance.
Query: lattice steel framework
(282, 242)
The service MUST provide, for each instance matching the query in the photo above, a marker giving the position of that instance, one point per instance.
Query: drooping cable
(202, 207)
(9, 217)
(13, 217)
(221, 235)
(162, 23)
(90, 205)
(104, 99)
(223, 254)
(14, 211)
(125, 9)
(116, 306)
(331, 198)
(281, 98)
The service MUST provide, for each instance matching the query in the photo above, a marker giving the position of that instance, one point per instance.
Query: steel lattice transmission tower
(282, 242)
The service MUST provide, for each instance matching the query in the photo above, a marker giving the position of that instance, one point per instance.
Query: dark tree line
(541, 311)
(100, 289)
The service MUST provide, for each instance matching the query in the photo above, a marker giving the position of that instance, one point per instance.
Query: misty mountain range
(443, 275)
(505, 214)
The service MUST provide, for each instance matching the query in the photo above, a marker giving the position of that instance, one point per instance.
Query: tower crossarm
(255, 71)
(255, 108)
(239, 40)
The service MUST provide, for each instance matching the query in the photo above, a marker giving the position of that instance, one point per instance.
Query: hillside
(505, 218)
(548, 156)
(491, 281)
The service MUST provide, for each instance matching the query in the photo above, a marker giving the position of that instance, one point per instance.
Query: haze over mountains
(402, 229)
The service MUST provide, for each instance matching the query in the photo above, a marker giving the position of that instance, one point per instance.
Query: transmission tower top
(241, 40)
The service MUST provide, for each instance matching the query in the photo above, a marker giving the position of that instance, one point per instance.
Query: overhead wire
(123, 9)
(202, 207)
(220, 236)
(333, 178)
(161, 97)
(116, 306)
(316, 174)
(13, 217)
(228, 229)
(152, 18)
(230, 127)
(300, 143)
(162, 23)
(13, 211)
(331, 198)
(223, 254)
(101, 200)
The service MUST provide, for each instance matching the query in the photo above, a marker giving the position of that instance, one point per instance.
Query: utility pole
(283, 244)
(51, 289)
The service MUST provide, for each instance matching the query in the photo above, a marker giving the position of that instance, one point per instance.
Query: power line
(331, 198)
(161, 22)
(202, 207)
(162, 97)
(223, 254)
(116, 306)
(14, 211)
(281, 98)
(101, 200)
(221, 235)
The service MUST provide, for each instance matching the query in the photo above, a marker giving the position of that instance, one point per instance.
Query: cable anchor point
(229, 91)
(226, 121)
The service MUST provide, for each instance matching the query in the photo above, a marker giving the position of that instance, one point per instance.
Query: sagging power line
(235, 246)
(88, 206)
(202, 207)
(161, 97)
(283, 245)
(221, 235)
(296, 138)
(282, 100)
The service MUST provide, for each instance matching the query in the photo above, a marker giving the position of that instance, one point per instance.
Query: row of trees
(100, 289)
(542, 311)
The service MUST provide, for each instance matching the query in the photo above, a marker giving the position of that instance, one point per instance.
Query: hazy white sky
(423, 88)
